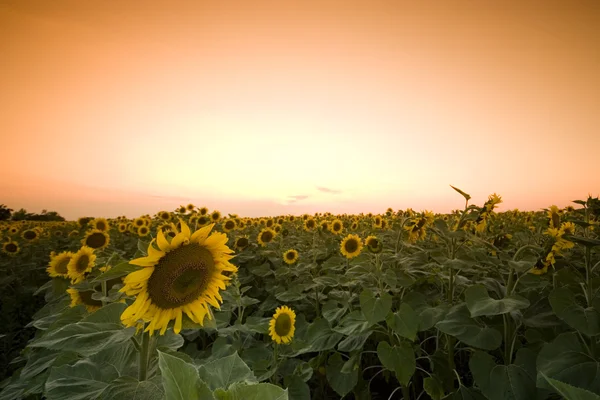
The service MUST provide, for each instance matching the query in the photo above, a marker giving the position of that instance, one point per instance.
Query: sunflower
(291, 218)
(30, 235)
(13, 230)
(181, 276)
(336, 226)
(354, 226)
(139, 222)
(310, 224)
(190, 207)
(203, 211)
(85, 298)
(229, 225)
(202, 221)
(241, 243)
(58, 265)
(181, 210)
(325, 225)
(282, 325)
(351, 246)
(11, 248)
(280, 220)
(265, 236)
(290, 256)
(143, 231)
(96, 239)
(164, 215)
(373, 244)
(277, 228)
(215, 216)
(81, 263)
(540, 267)
(122, 227)
(377, 222)
(83, 221)
(100, 224)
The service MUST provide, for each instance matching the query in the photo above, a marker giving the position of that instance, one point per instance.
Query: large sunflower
(58, 265)
(181, 276)
(282, 325)
(96, 239)
(81, 263)
(290, 256)
(30, 235)
(11, 248)
(336, 226)
(351, 246)
(85, 298)
(265, 236)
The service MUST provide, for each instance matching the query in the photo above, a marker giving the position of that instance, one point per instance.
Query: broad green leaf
(570, 392)
(398, 359)
(375, 308)
(297, 388)
(225, 371)
(259, 391)
(354, 342)
(333, 311)
(433, 388)
(465, 393)
(117, 271)
(565, 306)
(130, 388)
(353, 323)
(180, 379)
(501, 382)
(459, 324)
(110, 313)
(84, 380)
(85, 338)
(318, 337)
(480, 303)
(342, 383)
(432, 315)
(566, 360)
(405, 322)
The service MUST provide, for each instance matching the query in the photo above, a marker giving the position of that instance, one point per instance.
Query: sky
(297, 106)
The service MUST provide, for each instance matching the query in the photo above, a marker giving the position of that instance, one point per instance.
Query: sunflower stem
(143, 357)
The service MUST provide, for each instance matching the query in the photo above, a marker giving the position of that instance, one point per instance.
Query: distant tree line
(22, 215)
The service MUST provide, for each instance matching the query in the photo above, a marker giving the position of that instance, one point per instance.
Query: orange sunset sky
(114, 107)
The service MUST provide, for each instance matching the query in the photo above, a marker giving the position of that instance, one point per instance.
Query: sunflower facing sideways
(183, 275)
(282, 325)
(81, 263)
(85, 298)
(58, 264)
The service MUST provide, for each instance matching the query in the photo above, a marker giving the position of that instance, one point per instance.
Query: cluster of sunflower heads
(417, 226)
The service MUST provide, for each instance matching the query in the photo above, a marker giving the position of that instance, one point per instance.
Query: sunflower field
(192, 304)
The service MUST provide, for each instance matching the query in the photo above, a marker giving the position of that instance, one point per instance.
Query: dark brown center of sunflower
(310, 223)
(11, 248)
(283, 325)
(181, 276)
(203, 211)
(139, 222)
(82, 263)
(143, 230)
(86, 298)
(101, 225)
(58, 233)
(229, 225)
(266, 236)
(164, 216)
(202, 220)
(373, 243)
(61, 266)
(30, 235)
(351, 245)
(171, 234)
(337, 226)
(290, 256)
(95, 240)
(242, 242)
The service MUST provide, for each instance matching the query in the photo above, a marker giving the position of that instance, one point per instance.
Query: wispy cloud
(328, 190)
(299, 197)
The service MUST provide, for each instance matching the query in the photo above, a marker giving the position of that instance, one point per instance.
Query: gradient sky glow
(273, 107)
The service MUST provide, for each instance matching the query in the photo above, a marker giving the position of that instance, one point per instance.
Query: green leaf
(432, 315)
(570, 392)
(260, 391)
(110, 313)
(130, 388)
(180, 379)
(398, 359)
(375, 308)
(465, 393)
(84, 380)
(142, 247)
(459, 324)
(225, 371)
(85, 338)
(297, 388)
(405, 322)
(342, 383)
(465, 195)
(354, 342)
(500, 382)
(318, 337)
(480, 303)
(353, 324)
(567, 361)
(117, 271)
(564, 304)
(433, 388)
(332, 311)
(587, 242)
